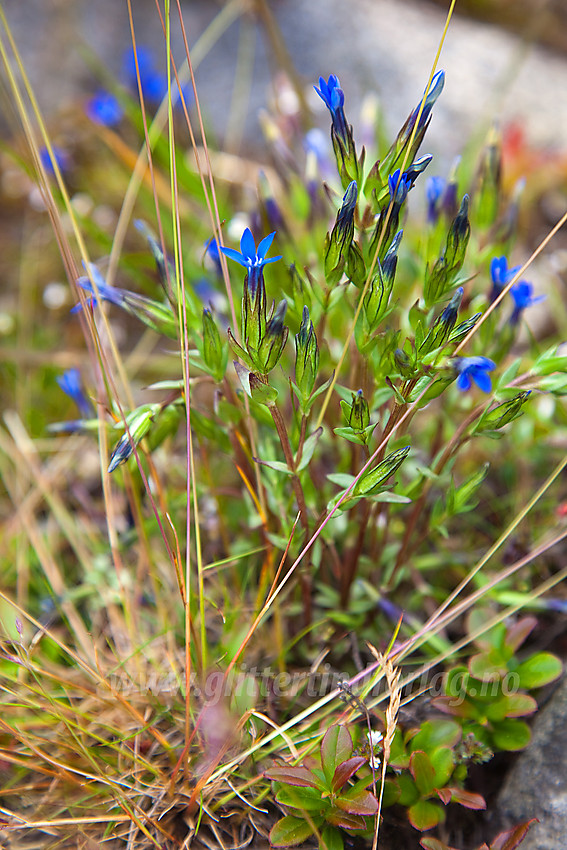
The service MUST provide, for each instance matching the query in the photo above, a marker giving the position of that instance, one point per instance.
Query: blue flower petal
(234, 255)
(247, 245)
(264, 245)
(482, 380)
(464, 382)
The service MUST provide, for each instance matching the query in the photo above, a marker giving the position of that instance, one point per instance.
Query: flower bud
(272, 345)
(337, 245)
(214, 353)
(138, 423)
(307, 356)
(359, 417)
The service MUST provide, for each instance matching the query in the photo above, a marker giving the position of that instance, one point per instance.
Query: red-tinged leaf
(516, 634)
(520, 704)
(290, 831)
(456, 706)
(467, 798)
(299, 776)
(345, 820)
(425, 815)
(345, 770)
(512, 838)
(361, 803)
(423, 772)
(336, 747)
(444, 795)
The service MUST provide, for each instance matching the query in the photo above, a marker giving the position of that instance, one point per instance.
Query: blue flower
(434, 189)
(474, 369)
(253, 260)
(501, 275)
(428, 100)
(212, 252)
(333, 97)
(522, 293)
(417, 167)
(70, 383)
(399, 187)
(59, 155)
(105, 292)
(103, 108)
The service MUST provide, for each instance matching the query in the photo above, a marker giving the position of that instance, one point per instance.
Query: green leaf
(307, 799)
(423, 772)
(341, 479)
(443, 763)
(488, 666)
(276, 465)
(408, 791)
(331, 839)
(290, 831)
(539, 670)
(434, 844)
(372, 480)
(436, 733)
(309, 448)
(336, 747)
(425, 815)
(511, 735)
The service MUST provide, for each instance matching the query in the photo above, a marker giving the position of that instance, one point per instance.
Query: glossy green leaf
(331, 839)
(425, 814)
(540, 669)
(423, 772)
(290, 831)
(511, 735)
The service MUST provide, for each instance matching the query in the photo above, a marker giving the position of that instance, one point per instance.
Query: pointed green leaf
(309, 448)
(336, 747)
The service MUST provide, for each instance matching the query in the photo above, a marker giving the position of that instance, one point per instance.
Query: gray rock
(537, 784)
(381, 46)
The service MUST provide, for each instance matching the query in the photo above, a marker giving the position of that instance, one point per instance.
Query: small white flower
(374, 738)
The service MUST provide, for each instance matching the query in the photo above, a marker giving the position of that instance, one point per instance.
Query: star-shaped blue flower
(105, 292)
(434, 189)
(474, 369)
(523, 294)
(251, 258)
(333, 97)
(103, 108)
(399, 186)
(501, 275)
(428, 101)
(70, 383)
